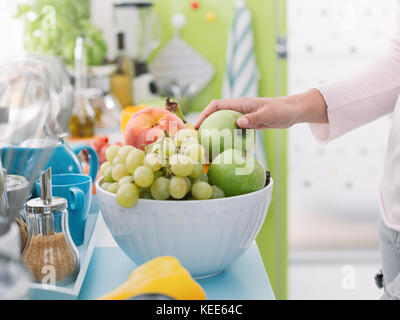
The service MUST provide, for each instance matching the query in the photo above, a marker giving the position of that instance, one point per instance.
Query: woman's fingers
(258, 113)
(251, 120)
(203, 117)
(215, 105)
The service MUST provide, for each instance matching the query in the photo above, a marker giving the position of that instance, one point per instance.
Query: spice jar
(50, 253)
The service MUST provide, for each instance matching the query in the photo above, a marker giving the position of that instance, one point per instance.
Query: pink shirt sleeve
(363, 97)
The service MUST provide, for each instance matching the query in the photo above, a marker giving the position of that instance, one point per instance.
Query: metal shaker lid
(38, 206)
(46, 204)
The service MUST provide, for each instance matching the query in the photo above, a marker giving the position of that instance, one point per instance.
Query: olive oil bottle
(121, 80)
(83, 118)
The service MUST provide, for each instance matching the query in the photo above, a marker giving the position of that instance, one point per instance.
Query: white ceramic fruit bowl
(207, 236)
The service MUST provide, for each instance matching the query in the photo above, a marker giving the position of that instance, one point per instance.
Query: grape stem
(168, 171)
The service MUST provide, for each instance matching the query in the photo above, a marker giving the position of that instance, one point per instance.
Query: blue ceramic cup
(77, 189)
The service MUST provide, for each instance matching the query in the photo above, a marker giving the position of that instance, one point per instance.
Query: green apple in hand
(220, 132)
(235, 174)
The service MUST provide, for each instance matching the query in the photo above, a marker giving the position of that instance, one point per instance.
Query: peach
(147, 125)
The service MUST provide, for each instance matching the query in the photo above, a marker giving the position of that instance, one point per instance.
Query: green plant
(52, 26)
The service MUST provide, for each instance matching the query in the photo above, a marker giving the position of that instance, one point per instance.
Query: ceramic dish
(207, 236)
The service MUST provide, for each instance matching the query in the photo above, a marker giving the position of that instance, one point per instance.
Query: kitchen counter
(246, 279)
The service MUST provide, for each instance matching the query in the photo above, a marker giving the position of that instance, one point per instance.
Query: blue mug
(77, 189)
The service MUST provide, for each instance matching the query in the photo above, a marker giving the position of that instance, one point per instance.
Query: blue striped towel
(241, 74)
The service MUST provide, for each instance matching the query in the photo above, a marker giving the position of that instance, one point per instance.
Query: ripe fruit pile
(170, 168)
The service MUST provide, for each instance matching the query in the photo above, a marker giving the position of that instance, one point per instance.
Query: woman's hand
(271, 113)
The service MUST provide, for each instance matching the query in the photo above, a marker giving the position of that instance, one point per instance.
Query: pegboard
(328, 41)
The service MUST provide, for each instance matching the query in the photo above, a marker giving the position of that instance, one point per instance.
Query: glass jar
(50, 253)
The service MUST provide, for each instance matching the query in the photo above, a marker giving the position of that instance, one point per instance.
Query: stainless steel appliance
(141, 26)
(31, 102)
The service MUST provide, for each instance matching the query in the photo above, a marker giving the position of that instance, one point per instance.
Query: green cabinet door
(210, 39)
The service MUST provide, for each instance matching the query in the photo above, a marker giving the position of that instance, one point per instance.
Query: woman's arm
(267, 113)
(333, 109)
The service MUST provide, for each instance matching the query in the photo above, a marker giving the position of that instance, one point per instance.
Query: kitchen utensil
(180, 63)
(46, 80)
(26, 103)
(25, 161)
(18, 193)
(141, 25)
(142, 28)
(77, 189)
(63, 159)
(27, 98)
(206, 236)
(50, 253)
(56, 74)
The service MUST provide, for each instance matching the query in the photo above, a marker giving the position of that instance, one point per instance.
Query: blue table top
(246, 279)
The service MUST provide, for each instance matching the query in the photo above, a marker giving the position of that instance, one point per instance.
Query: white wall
(330, 40)
(333, 199)
(11, 30)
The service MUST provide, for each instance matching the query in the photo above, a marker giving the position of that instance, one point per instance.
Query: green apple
(235, 174)
(220, 132)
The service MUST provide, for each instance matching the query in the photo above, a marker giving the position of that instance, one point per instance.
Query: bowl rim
(243, 196)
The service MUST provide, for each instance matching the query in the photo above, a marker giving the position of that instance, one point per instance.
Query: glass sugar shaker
(50, 254)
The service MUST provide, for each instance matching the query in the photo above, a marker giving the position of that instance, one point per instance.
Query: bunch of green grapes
(170, 168)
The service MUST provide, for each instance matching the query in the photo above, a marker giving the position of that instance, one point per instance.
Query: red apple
(147, 125)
